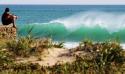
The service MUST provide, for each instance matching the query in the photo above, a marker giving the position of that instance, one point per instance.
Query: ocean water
(71, 23)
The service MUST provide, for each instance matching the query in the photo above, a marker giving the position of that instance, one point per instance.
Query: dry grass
(3, 43)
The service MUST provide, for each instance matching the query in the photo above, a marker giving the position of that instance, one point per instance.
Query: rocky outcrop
(7, 32)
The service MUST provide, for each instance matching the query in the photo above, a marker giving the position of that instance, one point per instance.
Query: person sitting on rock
(8, 18)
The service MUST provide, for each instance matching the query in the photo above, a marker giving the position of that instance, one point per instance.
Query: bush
(107, 57)
(5, 58)
(20, 47)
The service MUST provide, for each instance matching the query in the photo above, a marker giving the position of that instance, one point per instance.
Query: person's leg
(12, 20)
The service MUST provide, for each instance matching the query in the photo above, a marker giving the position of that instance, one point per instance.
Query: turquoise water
(71, 22)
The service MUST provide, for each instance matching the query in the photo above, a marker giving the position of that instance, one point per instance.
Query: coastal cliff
(7, 32)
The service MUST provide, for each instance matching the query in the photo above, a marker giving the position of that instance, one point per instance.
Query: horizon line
(67, 4)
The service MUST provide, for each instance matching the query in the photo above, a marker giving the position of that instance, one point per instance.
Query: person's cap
(7, 10)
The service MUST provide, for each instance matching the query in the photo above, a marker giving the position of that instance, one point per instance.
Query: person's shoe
(14, 26)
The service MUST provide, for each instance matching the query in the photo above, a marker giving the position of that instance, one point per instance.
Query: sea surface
(71, 23)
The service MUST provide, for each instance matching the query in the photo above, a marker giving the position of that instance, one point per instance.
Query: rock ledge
(7, 32)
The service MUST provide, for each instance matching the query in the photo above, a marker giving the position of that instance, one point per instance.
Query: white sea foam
(123, 46)
(111, 21)
(70, 45)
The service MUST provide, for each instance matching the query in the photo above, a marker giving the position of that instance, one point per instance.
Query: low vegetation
(96, 58)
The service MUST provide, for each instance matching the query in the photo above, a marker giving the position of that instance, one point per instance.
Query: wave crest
(111, 21)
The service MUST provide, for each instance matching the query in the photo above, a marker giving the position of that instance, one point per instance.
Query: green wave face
(59, 32)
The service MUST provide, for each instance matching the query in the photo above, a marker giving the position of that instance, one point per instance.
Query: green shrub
(20, 47)
(107, 56)
(5, 58)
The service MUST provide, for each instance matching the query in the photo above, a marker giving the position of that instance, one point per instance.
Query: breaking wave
(94, 25)
(111, 21)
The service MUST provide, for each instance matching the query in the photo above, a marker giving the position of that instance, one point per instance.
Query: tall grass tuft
(22, 45)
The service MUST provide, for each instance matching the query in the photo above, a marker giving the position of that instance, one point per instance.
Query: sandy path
(50, 57)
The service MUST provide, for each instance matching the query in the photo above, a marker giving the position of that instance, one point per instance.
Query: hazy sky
(72, 2)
